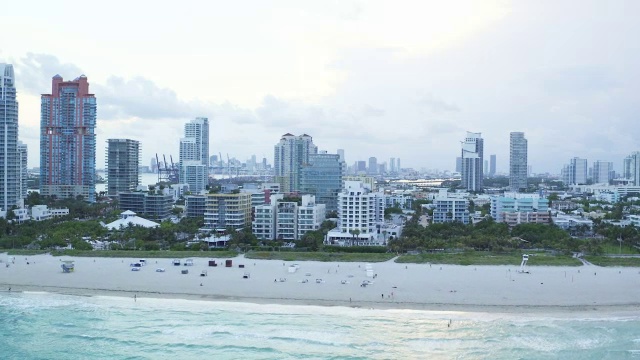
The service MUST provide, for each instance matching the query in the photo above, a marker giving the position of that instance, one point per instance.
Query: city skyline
(333, 69)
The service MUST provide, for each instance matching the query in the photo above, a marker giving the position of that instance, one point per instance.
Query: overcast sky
(388, 79)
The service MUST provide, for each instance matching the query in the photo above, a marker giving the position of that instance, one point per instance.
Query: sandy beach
(410, 286)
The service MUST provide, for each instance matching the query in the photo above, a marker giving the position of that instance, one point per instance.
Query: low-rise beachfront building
(42, 212)
(227, 210)
(397, 200)
(450, 208)
(516, 208)
(154, 204)
(36, 213)
(310, 215)
(20, 215)
(605, 192)
(287, 218)
(572, 222)
(263, 225)
(194, 205)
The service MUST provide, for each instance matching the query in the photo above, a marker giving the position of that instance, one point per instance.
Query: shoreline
(491, 289)
(630, 309)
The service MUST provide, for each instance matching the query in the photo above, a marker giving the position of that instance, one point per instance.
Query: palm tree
(354, 233)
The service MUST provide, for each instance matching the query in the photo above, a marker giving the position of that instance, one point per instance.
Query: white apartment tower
(517, 161)
(358, 209)
(290, 154)
(10, 164)
(195, 147)
(198, 130)
(472, 161)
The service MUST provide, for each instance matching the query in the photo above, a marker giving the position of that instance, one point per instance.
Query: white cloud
(388, 79)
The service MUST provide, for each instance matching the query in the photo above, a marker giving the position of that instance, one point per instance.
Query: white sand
(436, 287)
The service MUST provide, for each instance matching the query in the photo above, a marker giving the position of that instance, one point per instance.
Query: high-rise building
(492, 165)
(628, 167)
(198, 130)
(154, 165)
(459, 164)
(194, 150)
(602, 172)
(290, 154)
(357, 199)
(24, 173)
(196, 175)
(633, 168)
(517, 161)
(68, 140)
(575, 172)
(398, 166)
(341, 154)
(373, 166)
(10, 187)
(472, 160)
(392, 165)
(123, 162)
(322, 177)
(486, 167)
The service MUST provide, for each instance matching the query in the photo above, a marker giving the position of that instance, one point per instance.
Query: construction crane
(228, 166)
(166, 173)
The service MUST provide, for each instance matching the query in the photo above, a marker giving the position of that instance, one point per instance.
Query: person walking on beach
(135, 297)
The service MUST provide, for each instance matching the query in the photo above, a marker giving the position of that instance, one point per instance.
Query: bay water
(37, 325)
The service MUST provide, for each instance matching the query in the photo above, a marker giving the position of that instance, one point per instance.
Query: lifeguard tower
(523, 264)
(68, 266)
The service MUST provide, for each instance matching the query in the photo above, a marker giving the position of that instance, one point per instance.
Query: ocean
(54, 326)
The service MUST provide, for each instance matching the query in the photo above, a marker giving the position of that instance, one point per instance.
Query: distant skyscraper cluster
(68, 140)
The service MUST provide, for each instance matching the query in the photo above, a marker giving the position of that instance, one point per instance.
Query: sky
(403, 79)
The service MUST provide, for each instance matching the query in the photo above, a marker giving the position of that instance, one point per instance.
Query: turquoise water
(52, 326)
